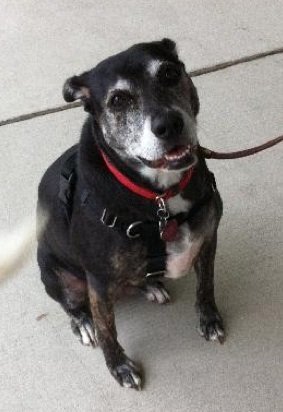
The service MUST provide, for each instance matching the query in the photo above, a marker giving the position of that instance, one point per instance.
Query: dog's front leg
(211, 324)
(121, 367)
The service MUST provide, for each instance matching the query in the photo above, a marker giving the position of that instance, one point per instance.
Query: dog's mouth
(179, 157)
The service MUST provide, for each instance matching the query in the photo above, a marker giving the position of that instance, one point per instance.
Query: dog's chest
(183, 251)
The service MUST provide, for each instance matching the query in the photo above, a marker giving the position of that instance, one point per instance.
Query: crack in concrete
(230, 63)
(194, 73)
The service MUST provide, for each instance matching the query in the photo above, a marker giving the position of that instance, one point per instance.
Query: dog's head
(145, 105)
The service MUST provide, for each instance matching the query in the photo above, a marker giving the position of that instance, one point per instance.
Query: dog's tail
(16, 245)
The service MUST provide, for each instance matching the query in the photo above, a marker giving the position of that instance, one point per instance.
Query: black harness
(147, 231)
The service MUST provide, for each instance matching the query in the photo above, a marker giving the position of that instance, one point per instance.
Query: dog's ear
(169, 45)
(76, 88)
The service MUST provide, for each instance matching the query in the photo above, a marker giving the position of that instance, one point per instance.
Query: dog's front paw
(211, 324)
(127, 374)
(156, 292)
(84, 329)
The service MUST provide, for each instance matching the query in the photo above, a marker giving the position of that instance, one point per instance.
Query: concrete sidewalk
(46, 42)
(42, 366)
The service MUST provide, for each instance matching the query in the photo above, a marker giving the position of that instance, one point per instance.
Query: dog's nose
(168, 124)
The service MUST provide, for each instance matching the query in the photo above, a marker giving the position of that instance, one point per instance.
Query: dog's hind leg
(211, 323)
(71, 293)
(124, 370)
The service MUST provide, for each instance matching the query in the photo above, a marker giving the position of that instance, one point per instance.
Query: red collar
(142, 191)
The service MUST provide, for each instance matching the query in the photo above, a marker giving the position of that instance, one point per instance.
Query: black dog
(132, 201)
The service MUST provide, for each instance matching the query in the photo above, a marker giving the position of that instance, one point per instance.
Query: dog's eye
(170, 74)
(120, 100)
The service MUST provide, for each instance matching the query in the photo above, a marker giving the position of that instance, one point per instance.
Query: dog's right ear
(169, 45)
(76, 88)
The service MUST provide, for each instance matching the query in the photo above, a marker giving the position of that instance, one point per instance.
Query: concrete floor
(42, 366)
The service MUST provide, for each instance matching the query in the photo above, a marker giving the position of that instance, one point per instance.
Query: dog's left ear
(75, 88)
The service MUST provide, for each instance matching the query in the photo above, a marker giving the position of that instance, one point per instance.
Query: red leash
(210, 154)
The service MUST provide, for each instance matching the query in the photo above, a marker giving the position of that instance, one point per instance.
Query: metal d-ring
(133, 225)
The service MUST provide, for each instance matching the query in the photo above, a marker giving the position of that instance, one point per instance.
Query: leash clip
(162, 214)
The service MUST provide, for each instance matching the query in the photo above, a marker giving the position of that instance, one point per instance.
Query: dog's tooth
(178, 156)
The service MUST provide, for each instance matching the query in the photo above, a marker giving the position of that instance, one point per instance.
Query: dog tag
(169, 231)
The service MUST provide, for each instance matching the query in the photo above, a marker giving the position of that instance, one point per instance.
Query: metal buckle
(157, 273)
(132, 225)
(103, 219)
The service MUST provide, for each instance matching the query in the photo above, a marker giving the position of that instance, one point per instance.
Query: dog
(132, 202)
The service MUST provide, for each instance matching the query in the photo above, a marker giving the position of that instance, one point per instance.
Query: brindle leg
(71, 292)
(121, 367)
(211, 323)
(74, 301)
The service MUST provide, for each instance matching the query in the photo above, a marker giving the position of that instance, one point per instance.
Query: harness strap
(68, 178)
(148, 231)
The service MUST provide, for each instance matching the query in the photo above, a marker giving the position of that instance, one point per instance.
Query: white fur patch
(178, 204)
(122, 84)
(181, 253)
(161, 178)
(153, 67)
(88, 335)
(157, 294)
(84, 336)
(149, 146)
